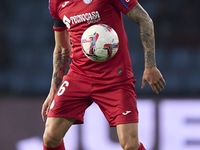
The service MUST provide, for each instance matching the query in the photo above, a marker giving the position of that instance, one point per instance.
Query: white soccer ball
(100, 42)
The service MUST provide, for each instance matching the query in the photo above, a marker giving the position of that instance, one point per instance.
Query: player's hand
(46, 106)
(154, 78)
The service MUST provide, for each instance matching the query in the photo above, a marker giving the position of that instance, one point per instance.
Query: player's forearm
(148, 42)
(141, 17)
(60, 63)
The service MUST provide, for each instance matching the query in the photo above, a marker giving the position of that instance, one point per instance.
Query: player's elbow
(145, 20)
(63, 50)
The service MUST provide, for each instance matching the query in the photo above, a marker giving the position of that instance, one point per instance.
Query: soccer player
(109, 84)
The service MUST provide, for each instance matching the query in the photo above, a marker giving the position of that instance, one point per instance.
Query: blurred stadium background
(26, 48)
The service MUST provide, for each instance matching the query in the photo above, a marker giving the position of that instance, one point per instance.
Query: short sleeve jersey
(78, 15)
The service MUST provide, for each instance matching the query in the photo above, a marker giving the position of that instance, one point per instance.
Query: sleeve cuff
(130, 7)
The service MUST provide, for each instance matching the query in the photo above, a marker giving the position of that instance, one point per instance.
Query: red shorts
(117, 101)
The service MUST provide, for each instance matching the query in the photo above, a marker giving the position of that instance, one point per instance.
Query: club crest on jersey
(87, 1)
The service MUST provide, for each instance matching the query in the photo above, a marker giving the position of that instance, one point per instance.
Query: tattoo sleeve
(60, 64)
(140, 16)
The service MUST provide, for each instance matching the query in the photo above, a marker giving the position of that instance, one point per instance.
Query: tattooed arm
(140, 17)
(61, 57)
(151, 73)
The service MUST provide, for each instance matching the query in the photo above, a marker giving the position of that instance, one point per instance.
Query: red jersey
(78, 15)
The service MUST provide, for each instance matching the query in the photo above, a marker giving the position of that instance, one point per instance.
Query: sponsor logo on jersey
(66, 21)
(90, 17)
(87, 1)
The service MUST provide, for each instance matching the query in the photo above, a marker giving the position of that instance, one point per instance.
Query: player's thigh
(72, 99)
(117, 101)
(56, 128)
(128, 134)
